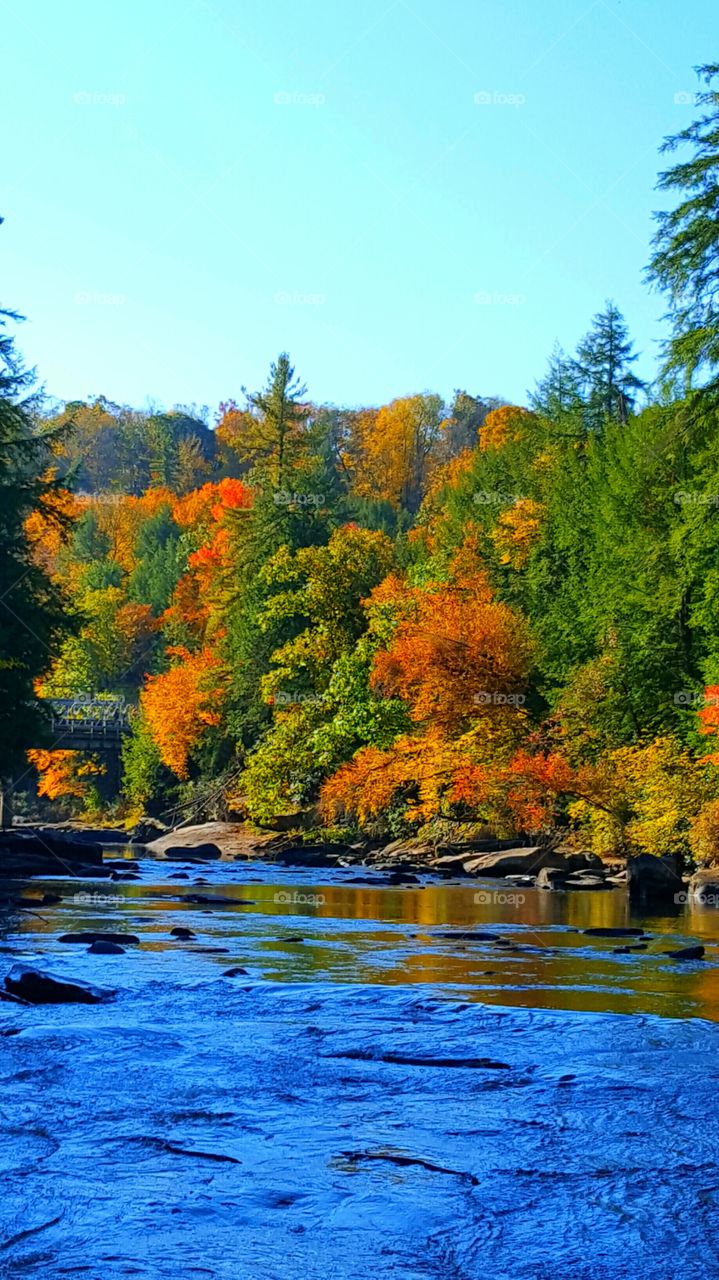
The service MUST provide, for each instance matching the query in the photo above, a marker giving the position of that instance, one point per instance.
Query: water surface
(371, 1091)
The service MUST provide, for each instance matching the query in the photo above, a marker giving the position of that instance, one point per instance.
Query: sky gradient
(407, 196)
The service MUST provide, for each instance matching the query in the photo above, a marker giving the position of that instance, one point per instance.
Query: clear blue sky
(190, 188)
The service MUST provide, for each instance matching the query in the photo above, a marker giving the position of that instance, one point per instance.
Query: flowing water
(375, 1091)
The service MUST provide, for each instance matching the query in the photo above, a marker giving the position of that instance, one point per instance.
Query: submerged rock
(606, 932)
(38, 987)
(99, 937)
(106, 949)
(182, 933)
(216, 899)
(467, 935)
(237, 972)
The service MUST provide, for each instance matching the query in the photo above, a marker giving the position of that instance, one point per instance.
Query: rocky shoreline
(73, 850)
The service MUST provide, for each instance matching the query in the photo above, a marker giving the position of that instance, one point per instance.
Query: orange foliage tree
(179, 705)
(46, 527)
(64, 773)
(709, 717)
(459, 660)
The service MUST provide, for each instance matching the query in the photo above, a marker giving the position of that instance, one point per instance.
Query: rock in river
(552, 878)
(43, 988)
(106, 949)
(183, 853)
(686, 953)
(606, 932)
(119, 938)
(655, 878)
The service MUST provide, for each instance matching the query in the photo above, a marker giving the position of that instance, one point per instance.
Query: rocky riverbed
(301, 1073)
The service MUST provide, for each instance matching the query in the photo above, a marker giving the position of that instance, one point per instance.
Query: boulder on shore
(513, 862)
(43, 854)
(147, 829)
(233, 839)
(650, 877)
(37, 987)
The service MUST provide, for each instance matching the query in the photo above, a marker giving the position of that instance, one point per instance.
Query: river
(375, 1093)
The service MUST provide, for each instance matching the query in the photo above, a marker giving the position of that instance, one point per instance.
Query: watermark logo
(93, 98)
(499, 898)
(282, 498)
(298, 899)
(97, 899)
(485, 698)
(282, 698)
(495, 498)
(497, 98)
(704, 899)
(483, 298)
(689, 698)
(695, 498)
(288, 98)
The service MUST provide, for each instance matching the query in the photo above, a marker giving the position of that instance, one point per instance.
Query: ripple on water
(378, 1090)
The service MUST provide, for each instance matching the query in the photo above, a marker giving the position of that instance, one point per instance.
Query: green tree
(557, 395)
(604, 369)
(279, 421)
(32, 617)
(685, 263)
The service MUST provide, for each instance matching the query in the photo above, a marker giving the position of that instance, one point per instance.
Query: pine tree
(604, 369)
(280, 418)
(32, 618)
(685, 264)
(558, 393)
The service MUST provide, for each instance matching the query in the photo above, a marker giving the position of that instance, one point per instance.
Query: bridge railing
(93, 717)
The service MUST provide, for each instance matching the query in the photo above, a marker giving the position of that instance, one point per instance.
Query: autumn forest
(386, 619)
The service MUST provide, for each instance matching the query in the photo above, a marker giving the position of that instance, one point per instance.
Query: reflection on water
(329, 929)
(360, 1093)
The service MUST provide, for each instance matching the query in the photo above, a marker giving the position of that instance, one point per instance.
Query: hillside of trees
(379, 619)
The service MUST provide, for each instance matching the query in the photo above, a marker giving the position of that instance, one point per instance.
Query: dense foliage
(380, 617)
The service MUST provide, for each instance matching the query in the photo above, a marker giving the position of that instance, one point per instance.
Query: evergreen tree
(558, 393)
(685, 263)
(279, 421)
(32, 618)
(604, 369)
